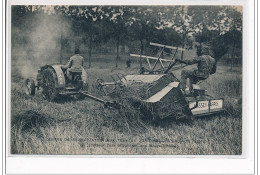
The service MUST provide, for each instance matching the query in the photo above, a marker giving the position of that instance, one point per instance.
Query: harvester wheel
(99, 84)
(29, 86)
(49, 82)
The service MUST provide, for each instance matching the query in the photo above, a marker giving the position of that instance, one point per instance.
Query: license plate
(206, 106)
(216, 105)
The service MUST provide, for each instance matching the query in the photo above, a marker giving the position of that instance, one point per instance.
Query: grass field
(86, 127)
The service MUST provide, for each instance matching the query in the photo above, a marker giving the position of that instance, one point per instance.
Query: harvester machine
(156, 91)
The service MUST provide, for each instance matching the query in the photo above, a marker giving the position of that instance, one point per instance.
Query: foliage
(93, 27)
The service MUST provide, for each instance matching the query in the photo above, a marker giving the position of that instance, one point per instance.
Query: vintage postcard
(139, 80)
(127, 80)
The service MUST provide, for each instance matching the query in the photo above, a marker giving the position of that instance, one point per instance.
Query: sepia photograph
(126, 80)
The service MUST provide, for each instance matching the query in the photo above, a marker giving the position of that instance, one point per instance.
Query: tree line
(181, 26)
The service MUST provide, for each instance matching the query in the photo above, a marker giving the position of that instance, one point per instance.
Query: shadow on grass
(62, 99)
(168, 122)
(26, 120)
(32, 120)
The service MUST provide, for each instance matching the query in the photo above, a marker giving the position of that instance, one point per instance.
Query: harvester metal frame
(159, 59)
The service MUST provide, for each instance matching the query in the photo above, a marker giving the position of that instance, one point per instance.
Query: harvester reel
(49, 82)
(30, 86)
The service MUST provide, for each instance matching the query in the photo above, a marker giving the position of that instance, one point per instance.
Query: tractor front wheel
(49, 83)
(29, 86)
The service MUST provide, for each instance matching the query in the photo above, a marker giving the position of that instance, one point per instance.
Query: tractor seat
(75, 70)
(197, 91)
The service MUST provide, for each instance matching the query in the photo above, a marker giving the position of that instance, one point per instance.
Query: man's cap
(77, 51)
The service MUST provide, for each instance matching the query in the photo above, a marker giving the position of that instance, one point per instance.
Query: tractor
(53, 83)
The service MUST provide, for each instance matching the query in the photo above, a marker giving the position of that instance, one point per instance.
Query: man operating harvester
(206, 66)
(74, 64)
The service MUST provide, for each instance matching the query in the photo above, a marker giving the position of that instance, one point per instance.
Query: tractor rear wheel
(29, 86)
(49, 82)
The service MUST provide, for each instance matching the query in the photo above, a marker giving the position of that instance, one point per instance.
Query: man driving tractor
(206, 66)
(74, 65)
